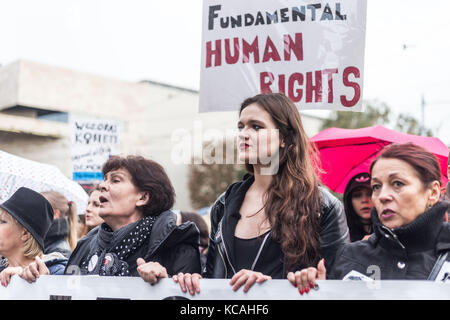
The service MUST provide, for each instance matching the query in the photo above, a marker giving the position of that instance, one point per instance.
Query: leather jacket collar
(419, 235)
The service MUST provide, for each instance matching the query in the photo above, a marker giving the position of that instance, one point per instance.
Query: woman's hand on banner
(34, 270)
(188, 281)
(151, 272)
(247, 277)
(305, 279)
(7, 273)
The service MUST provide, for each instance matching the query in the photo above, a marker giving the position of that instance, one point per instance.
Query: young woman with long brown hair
(278, 220)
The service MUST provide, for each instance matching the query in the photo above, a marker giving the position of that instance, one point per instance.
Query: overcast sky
(160, 40)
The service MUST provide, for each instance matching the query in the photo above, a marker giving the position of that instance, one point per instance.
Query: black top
(247, 250)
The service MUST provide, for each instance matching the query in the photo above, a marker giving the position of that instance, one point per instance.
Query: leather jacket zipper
(259, 251)
(223, 260)
(393, 235)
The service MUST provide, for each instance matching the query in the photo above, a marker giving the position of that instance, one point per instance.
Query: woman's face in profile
(258, 136)
(92, 211)
(397, 192)
(119, 196)
(10, 235)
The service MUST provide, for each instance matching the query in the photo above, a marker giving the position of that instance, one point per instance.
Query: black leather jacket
(174, 247)
(224, 217)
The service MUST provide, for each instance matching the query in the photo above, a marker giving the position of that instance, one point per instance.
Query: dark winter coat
(56, 238)
(224, 218)
(407, 252)
(174, 247)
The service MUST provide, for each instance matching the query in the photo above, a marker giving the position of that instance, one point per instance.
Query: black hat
(32, 211)
(360, 180)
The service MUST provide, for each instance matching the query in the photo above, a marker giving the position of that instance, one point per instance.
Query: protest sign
(93, 142)
(312, 51)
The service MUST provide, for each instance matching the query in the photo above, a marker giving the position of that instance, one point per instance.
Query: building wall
(150, 114)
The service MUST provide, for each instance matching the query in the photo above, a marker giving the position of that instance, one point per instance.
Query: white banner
(93, 142)
(312, 51)
(134, 288)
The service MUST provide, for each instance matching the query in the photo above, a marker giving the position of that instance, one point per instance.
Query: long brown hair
(292, 201)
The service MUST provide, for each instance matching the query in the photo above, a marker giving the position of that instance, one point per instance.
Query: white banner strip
(96, 287)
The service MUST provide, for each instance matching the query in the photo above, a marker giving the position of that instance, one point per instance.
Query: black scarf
(111, 260)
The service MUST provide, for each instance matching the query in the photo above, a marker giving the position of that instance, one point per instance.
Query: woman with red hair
(410, 240)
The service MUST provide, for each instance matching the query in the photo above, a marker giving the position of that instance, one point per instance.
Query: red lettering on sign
(347, 71)
(217, 52)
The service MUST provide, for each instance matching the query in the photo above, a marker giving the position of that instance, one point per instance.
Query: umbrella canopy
(347, 152)
(16, 172)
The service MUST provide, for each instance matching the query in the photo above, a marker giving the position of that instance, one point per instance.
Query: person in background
(446, 195)
(447, 192)
(357, 206)
(410, 241)
(25, 218)
(277, 220)
(82, 228)
(62, 236)
(184, 216)
(92, 218)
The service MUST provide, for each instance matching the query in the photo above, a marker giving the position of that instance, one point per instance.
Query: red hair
(424, 162)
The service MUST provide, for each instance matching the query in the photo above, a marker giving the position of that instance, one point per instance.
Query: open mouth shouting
(387, 214)
(102, 200)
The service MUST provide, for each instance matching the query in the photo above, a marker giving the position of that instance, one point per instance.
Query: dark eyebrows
(391, 176)
(260, 123)
(252, 121)
(113, 174)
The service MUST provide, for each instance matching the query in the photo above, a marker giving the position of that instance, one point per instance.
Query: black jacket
(174, 247)
(407, 252)
(333, 234)
(56, 238)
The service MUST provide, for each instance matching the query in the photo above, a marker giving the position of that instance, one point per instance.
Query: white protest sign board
(134, 288)
(93, 142)
(312, 51)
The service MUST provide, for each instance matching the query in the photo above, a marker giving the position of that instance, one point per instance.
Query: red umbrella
(346, 152)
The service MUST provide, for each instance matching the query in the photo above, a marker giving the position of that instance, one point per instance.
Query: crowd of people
(278, 225)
